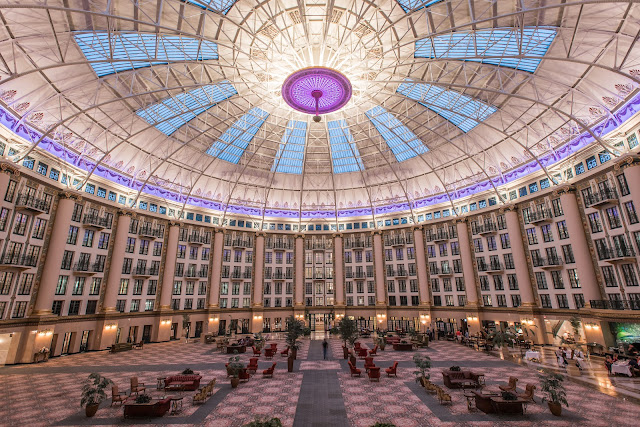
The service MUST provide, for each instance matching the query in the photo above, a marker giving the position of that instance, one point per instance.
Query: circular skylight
(316, 90)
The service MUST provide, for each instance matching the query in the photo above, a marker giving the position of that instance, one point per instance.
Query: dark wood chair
(136, 387)
(117, 396)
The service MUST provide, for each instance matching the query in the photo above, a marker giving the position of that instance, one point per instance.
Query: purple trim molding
(83, 162)
(332, 87)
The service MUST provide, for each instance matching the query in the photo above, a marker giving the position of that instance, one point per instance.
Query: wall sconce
(527, 321)
(470, 318)
(592, 326)
(110, 326)
(165, 322)
(45, 333)
(257, 317)
(213, 319)
(299, 316)
(339, 316)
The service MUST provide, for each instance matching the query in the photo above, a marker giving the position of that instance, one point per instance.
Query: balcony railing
(486, 228)
(280, 246)
(601, 197)
(96, 221)
(18, 260)
(616, 254)
(615, 304)
(550, 263)
(32, 203)
(540, 216)
(495, 266)
(148, 231)
(354, 244)
(87, 267)
(395, 241)
(441, 236)
(242, 243)
(199, 239)
(191, 273)
(145, 272)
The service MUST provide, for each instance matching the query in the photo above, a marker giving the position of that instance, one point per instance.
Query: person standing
(325, 344)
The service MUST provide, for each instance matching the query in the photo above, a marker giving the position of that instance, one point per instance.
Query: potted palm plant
(233, 369)
(553, 392)
(93, 393)
(348, 331)
(267, 422)
(423, 364)
(294, 332)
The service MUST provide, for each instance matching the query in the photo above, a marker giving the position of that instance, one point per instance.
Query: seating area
(458, 379)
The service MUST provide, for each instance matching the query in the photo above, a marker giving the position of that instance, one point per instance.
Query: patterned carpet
(46, 394)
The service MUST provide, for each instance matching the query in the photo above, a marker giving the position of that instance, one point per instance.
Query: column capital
(218, 230)
(460, 220)
(9, 168)
(565, 189)
(174, 223)
(417, 227)
(299, 236)
(127, 212)
(261, 234)
(374, 232)
(68, 194)
(511, 207)
(334, 235)
(626, 161)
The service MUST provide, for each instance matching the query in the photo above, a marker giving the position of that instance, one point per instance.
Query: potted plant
(423, 364)
(348, 331)
(381, 341)
(294, 332)
(553, 392)
(258, 340)
(454, 368)
(233, 369)
(143, 398)
(188, 371)
(93, 393)
(501, 339)
(267, 422)
(507, 395)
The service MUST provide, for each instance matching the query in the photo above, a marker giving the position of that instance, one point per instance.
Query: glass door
(84, 341)
(66, 343)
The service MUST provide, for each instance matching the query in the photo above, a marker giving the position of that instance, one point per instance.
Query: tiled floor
(49, 393)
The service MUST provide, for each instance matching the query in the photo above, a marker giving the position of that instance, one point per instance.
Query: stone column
(216, 268)
(299, 260)
(520, 258)
(117, 261)
(378, 262)
(169, 266)
(7, 170)
(468, 270)
(580, 245)
(421, 265)
(258, 271)
(338, 263)
(54, 253)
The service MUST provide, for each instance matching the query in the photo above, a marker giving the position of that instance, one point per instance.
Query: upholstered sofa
(455, 379)
(190, 382)
(151, 409)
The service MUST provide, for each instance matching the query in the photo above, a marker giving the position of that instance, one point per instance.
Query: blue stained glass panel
(498, 46)
(592, 162)
(345, 156)
(220, 6)
(111, 53)
(403, 143)
(290, 154)
(409, 5)
(232, 144)
(172, 113)
(463, 111)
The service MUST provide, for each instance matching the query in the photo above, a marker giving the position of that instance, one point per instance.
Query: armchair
(374, 352)
(374, 373)
(511, 386)
(354, 370)
(368, 363)
(136, 387)
(244, 375)
(268, 373)
(256, 352)
(116, 396)
(285, 352)
(252, 367)
(392, 370)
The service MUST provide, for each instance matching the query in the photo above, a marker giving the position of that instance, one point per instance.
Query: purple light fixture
(316, 90)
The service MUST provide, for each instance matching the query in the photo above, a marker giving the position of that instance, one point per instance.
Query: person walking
(325, 344)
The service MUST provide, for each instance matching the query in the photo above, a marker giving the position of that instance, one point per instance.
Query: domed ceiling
(182, 99)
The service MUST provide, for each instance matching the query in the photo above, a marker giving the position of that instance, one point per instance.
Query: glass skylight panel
(172, 113)
(461, 110)
(128, 51)
(220, 6)
(236, 139)
(290, 155)
(409, 5)
(344, 152)
(402, 142)
(498, 46)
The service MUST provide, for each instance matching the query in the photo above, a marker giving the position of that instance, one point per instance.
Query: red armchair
(268, 373)
(256, 352)
(244, 375)
(374, 352)
(392, 370)
(354, 370)
(274, 346)
(374, 373)
(362, 353)
(252, 367)
(285, 352)
(356, 345)
(268, 353)
(368, 363)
